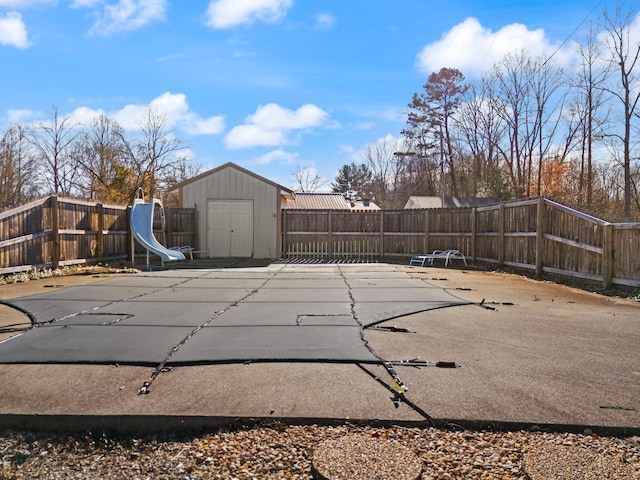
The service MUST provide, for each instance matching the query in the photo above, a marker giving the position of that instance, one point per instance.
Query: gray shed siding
(232, 184)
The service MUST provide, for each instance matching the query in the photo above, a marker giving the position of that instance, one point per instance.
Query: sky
(274, 86)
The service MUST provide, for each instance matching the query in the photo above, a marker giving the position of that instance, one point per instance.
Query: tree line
(99, 161)
(527, 127)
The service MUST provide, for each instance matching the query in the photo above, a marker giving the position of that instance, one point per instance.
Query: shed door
(230, 228)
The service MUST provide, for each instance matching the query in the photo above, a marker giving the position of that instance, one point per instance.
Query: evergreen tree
(353, 181)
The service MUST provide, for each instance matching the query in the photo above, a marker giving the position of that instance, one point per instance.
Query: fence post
(283, 231)
(330, 236)
(381, 234)
(131, 248)
(540, 216)
(195, 240)
(473, 234)
(501, 222)
(100, 236)
(55, 233)
(426, 232)
(168, 222)
(607, 255)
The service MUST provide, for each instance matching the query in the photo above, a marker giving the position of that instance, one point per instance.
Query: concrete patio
(530, 353)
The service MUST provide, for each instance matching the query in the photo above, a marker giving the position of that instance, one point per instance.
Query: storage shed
(237, 212)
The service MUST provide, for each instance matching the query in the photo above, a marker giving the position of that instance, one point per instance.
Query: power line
(569, 36)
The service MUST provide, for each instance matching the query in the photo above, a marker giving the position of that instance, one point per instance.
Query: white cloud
(85, 115)
(22, 115)
(24, 3)
(473, 49)
(273, 116)
(13, 31)
(247, 136)
(208, 126)
(187, 154)
(348, 150)
(130, 116)
(364, 125)
(279, 155)
(85, 3)
(126, 15)
(325, 20)
(271, 125)
(387, 145)
(232, 13)
(173, 106)
(178, 115)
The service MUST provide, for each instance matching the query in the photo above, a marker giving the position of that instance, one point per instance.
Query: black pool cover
(282, 312)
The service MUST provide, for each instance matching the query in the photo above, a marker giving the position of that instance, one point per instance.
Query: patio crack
(397, 386)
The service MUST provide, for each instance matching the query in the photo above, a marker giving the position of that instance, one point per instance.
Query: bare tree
(387, 171)
(178, 173)
(155, 153)
(52, 141)
(17, 168)
(481, 130)
(588, 105)
(530, 108)
(623, 52)
(308, 180)
(102, 154)
(549, 101)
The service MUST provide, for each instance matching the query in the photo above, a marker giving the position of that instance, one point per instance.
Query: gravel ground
(286, 452)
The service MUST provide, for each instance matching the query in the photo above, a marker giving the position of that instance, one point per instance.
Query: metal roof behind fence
(317, 201)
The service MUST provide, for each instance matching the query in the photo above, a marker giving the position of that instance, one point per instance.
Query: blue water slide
(142, 229)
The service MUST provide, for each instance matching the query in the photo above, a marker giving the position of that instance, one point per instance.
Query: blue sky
(272, 85)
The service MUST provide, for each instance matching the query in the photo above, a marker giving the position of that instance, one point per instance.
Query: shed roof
(417, 201)
(364, 206)
(317, 201)
(284, 190)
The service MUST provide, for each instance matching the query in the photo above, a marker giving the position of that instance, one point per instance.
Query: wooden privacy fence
(54, 232)
(536, 234)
